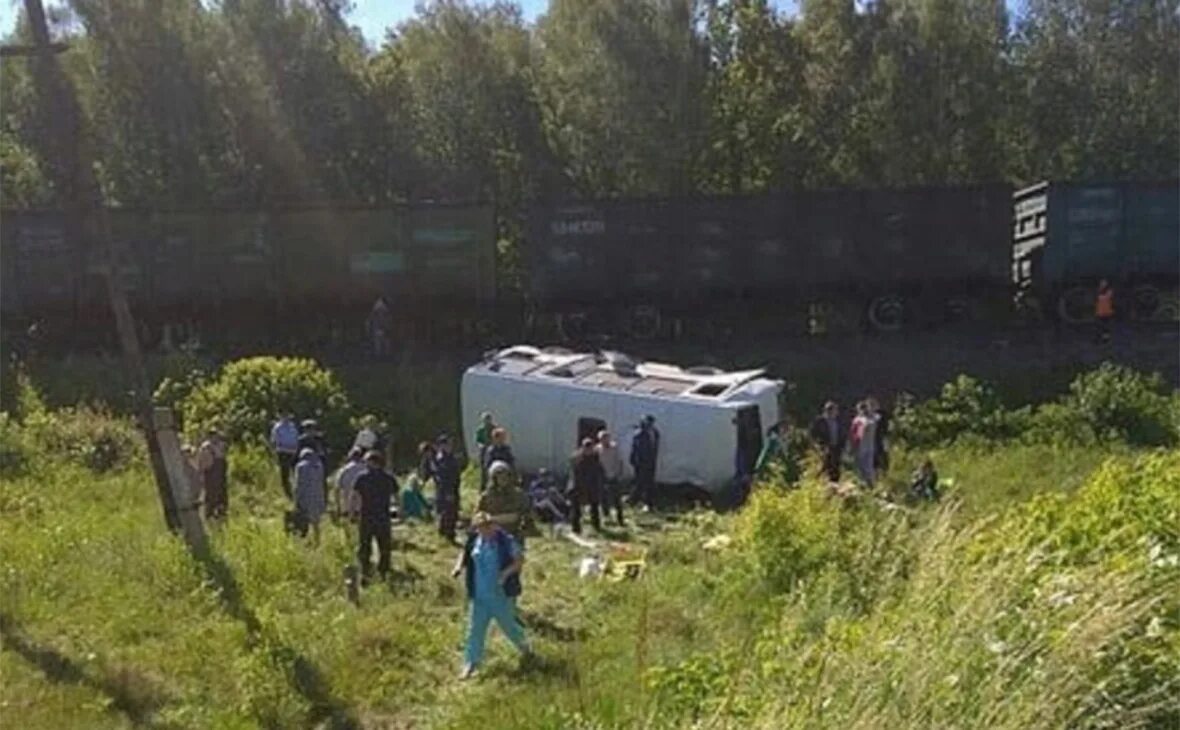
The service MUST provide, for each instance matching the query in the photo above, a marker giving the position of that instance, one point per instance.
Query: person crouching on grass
(492, 561)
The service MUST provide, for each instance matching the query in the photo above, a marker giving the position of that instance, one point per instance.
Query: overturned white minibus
(548, 400)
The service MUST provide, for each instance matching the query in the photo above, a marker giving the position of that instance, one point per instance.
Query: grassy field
(819, 614)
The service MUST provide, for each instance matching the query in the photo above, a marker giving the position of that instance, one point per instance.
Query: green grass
(819, 615)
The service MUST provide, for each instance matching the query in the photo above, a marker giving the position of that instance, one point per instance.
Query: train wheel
(1145, 302)
(1076, 305)
(573, 326)
(643, 322)
(887, 313)
(1029, 309)
(961, 310)
(1168, 309)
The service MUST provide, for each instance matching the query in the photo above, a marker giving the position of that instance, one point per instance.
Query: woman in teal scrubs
(492, 561)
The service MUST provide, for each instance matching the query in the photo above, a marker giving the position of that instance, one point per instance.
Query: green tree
(754, 100)
(1099, 89)
(621, 84)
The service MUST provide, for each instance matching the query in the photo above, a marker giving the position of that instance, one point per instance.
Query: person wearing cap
(491, 561)
(347, 503)
(311, 437)
(446, 471)
(309, 492)
(376, 490)
(587, 476)
(504, 500)
(213, 465)
(612, 472)
(645, 451)
(284, 440)
(483, 441)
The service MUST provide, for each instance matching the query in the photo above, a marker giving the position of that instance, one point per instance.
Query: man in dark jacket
(645, 450)
(881, 433)
(588, 481)
(444, 468)
(376, 490)
(830, 436)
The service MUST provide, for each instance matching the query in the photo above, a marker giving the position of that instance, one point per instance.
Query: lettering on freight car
(1090, 216)
(585, 227)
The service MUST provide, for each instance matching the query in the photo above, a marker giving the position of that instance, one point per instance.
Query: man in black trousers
(376, 489)
(830, 436)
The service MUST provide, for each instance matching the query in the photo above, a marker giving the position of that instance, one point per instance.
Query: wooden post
(87, 220)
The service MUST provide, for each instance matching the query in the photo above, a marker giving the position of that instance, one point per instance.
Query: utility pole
(88, 223)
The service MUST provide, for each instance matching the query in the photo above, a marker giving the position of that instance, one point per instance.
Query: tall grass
(998, 609)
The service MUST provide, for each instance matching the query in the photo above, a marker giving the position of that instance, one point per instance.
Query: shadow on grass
(550, 630)
(129, 693)
(327, 710)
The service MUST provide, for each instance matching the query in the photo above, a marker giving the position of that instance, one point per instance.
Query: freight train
(306, 272)
(877, 259)
(701, 267)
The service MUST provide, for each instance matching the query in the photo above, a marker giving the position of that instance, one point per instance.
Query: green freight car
(313, 268)
(1068, 236)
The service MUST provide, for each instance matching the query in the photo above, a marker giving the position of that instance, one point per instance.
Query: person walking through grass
(309, 493)
(376, 489)
(348, 504)
(862, 442)
(284, 440)
(213, 465)
(491, 561)
(447, 475)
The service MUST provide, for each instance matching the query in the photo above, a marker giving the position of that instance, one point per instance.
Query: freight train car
(889, 257)
(1068, 236)
(268, 272)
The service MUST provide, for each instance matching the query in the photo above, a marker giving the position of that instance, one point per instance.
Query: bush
(1120, 404)
(1110, 404)
(14, 448)
(244, 399)
(964, 406)
(93, 438)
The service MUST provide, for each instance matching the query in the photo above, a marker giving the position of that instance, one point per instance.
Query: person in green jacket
(773, 448)
(414, 503)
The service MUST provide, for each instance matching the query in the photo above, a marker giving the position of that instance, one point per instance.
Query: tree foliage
(255, 101)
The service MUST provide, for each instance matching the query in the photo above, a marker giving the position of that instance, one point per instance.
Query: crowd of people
(363, 494)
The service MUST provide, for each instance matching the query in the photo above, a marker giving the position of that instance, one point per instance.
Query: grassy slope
(108, 623)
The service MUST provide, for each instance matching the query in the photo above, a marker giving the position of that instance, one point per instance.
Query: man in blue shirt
(284, 440)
